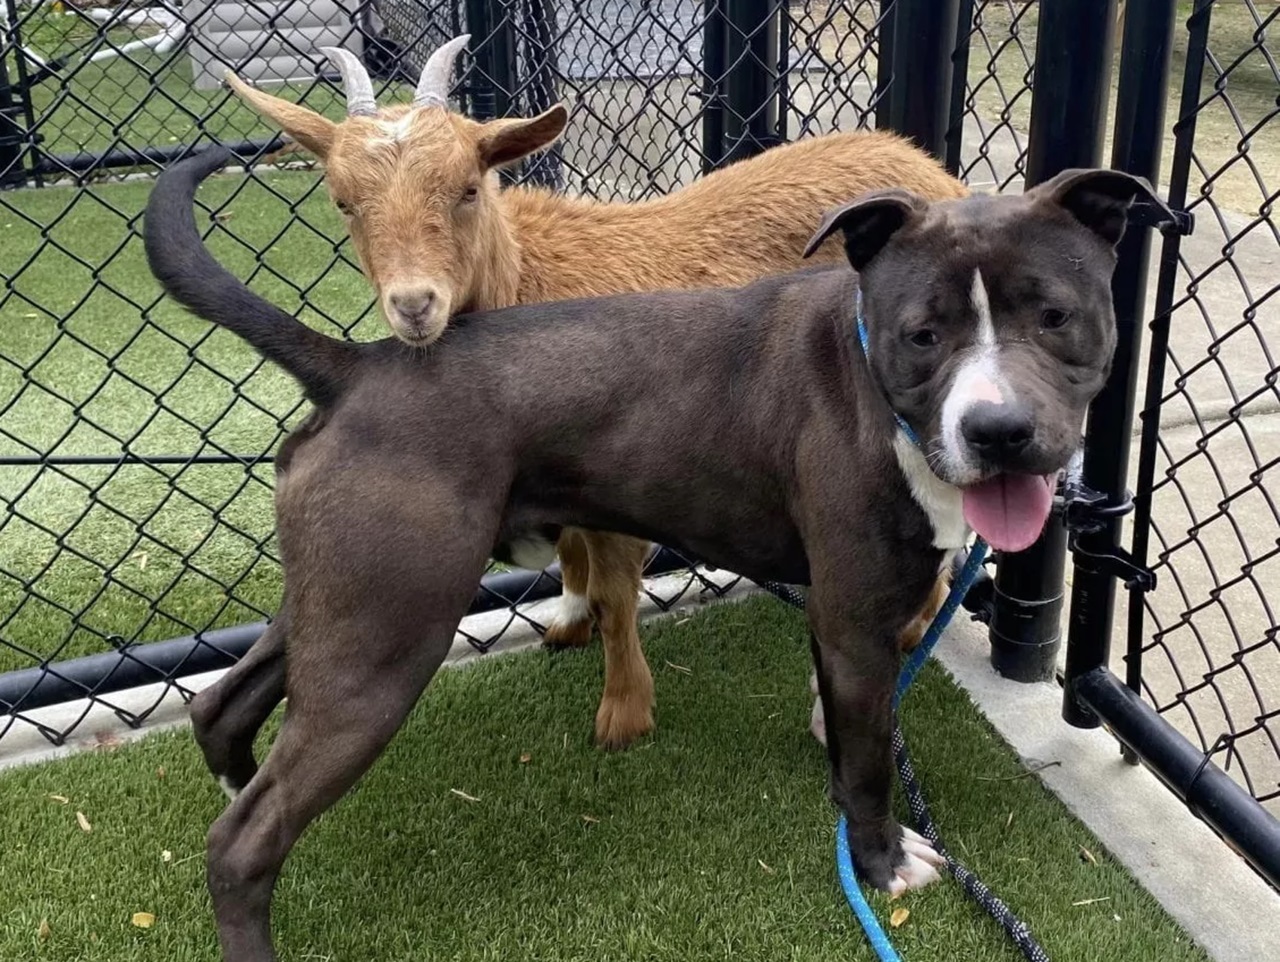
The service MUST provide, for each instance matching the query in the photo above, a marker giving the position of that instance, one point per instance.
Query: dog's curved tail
(189, 274)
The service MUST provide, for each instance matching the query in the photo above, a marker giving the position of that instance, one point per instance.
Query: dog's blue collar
(903, 426)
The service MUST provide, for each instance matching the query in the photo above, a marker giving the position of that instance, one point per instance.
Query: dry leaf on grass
(591, 819)
(463, 795)
(143, 920)
(61, 799)
(526, 758)
(43, 932)
(83, 822)
(166, 856)
(1104, 898)
(679, 668)
(1088, 856)
(899, 916)
(767, 869)
(160, 772)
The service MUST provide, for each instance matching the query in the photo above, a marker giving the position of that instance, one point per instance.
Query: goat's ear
(1099, 199)
(867, 222)
(304, 125)
(505, 141)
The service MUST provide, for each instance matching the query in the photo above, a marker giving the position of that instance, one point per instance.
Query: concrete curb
(1212, 893)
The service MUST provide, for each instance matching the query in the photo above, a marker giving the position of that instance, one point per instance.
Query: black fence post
(959, 85)
(16, 115)
(490, 85)
(1139, 135)
(919, 90)
(714, 63)
(1068, 114)
(750, 78)
(884, 60)
(547, 169)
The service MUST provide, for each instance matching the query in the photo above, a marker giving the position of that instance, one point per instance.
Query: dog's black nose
(997, 432)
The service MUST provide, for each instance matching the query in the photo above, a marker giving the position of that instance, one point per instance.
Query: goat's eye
(1054, 319)
(470, 194)
(345, 209)
(923, 338)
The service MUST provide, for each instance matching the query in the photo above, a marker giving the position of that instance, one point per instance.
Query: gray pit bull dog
(746, 427)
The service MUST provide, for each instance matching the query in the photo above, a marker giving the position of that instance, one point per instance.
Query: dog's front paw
(893, 858)
(920, 867)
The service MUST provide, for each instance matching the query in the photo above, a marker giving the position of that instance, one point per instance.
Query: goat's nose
(414, 304)
(997, 432)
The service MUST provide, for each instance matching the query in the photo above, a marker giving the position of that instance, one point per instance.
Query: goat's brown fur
(433, 230)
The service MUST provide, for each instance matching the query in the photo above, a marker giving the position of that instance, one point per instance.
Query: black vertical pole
(959, 85)
(481, 96)
(1179, 175)
(884, 60)
(714, 62)
(919, 96)
(751, 80)
(1139, 136)
(1068, 114)
(547, 170)
(17, 116)
(491, 90)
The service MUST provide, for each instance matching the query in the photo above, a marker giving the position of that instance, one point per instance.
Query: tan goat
(436, 236)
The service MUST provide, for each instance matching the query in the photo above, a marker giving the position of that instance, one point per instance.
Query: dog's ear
(867, 222)
(1100, 199)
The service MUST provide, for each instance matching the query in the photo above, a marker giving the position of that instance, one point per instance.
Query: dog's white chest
(943, 503)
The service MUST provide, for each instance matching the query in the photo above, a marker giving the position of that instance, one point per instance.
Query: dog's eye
(923, 338)
(1053, 319)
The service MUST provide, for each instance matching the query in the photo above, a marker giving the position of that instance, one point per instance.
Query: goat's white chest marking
(942, 503)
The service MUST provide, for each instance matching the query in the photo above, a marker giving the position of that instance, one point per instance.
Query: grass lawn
(712, 839)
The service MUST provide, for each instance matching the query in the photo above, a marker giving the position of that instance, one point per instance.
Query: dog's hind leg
(354, 673)
(571, 626)
(227, 716)
(626, 707)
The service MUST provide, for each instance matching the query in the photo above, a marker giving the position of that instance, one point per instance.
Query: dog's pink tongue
(1009, 510)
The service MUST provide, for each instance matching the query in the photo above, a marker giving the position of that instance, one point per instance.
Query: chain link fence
(135, 441)
(1204, 644)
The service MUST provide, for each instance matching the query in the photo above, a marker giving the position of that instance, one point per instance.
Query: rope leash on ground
(1014, 927)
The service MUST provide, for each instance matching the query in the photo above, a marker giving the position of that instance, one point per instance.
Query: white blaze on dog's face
(991, 329)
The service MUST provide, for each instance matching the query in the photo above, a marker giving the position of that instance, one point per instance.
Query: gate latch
(1087, 512)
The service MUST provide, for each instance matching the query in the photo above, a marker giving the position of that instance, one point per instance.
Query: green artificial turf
(711, 839)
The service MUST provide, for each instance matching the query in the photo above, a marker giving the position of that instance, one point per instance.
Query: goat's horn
(433, 85)
(355, 81)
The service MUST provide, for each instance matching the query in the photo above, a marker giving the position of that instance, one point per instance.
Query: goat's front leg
(626, 707)
(858, 657)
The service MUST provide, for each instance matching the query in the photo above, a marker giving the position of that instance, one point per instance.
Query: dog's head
(991, 328)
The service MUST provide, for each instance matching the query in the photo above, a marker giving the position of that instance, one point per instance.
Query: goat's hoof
(620, 723)
(573, 634)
